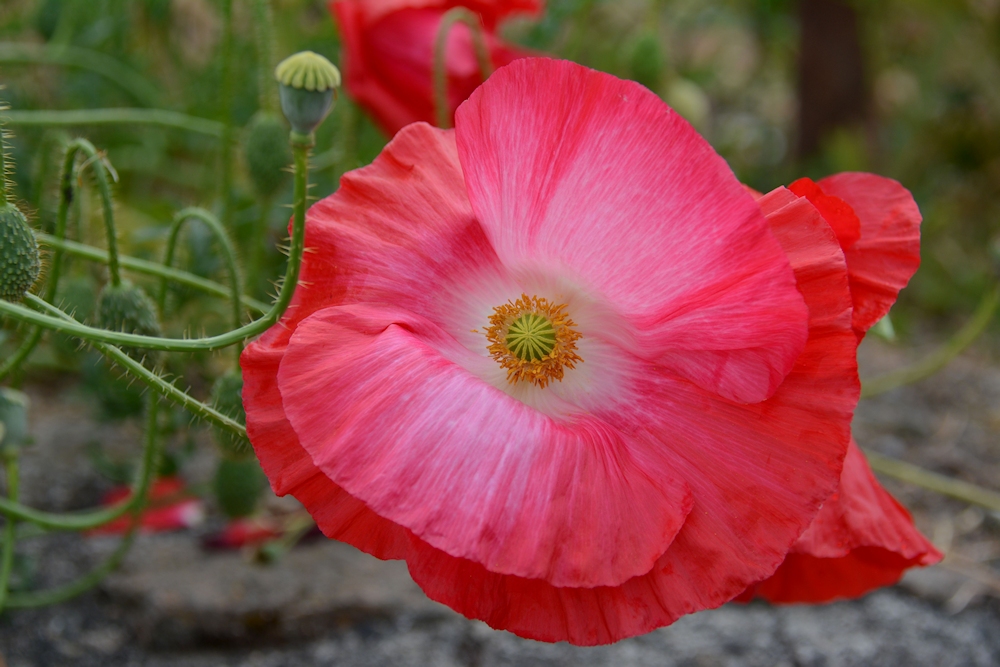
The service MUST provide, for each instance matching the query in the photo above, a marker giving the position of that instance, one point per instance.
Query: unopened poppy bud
(227, 398)
(13, 418)
(126, 308)
(19, 261)
(267, 153)
(238, 485)
(308, 83)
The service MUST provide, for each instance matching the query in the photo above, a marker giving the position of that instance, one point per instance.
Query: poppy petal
(885, 257)
(862, 539)
(472, 471)
(557, 179)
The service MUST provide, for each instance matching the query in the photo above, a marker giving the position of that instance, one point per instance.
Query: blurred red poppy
(171, 507)
(389, 53)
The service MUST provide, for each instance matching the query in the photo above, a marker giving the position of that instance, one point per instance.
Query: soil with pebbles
(173, 603)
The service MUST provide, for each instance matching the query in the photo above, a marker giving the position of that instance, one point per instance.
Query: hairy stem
(94, 518)
(301, 146)
(263, 22)
(228, 253)
(10, 528)
(150, 269)
(451, 17)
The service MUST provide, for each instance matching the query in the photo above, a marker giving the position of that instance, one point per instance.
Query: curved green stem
(228, 252)
(151, 379)
(933, 481)
(95, 518)
(10, 528)
(150, 269)
(300, 148)
(157, 117)
(135, 505)
(450, 18)
(81, 585)
(101, 174)
(143, 91)
(942, 356)
(263, 22)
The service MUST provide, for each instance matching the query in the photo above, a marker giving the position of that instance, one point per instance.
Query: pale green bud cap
(308, 83)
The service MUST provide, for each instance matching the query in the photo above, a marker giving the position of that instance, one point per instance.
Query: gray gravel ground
(326, 604)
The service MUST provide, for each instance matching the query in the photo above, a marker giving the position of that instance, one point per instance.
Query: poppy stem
(458, 14)
(10, 528)
(942, 356)
(52, 318)
(228, 253)
(263, 20)
(907, 472)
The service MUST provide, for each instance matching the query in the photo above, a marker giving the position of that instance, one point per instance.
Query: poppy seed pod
(126, 308)
(308, 82)
(227, 397)
(238, 485)
(19, 261)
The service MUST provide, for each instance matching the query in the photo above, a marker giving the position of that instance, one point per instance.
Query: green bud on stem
(308, 82)
(19, 260)
(128, 309)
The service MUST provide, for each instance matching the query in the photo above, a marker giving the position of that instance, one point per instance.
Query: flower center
(533, 339)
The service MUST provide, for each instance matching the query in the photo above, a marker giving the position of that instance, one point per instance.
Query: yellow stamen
(533, 339)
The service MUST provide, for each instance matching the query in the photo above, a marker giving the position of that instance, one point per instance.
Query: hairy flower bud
(126, 308)
(227, 398)
(19, 261)
(267, 153)
(308, 83)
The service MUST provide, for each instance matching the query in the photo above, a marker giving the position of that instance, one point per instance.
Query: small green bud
(267, 153)
(238, 485)
(19, 261)
(308, 82)
(127, 309)
(13, 419)
(227, 398)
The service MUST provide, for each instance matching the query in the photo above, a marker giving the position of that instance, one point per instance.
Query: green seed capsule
(308, 83)
(267, 153)
(127, 309)
(238, 485)
(19, 261)
(227, 398)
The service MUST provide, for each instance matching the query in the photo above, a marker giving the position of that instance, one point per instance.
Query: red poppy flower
(171, 507)
(561, 362)
(862, 539)
(389, 53)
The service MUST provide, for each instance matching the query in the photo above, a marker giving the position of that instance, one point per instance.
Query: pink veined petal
(462, 465)
(643, 211)
(754, 493)
(862, 539)
(885, 257)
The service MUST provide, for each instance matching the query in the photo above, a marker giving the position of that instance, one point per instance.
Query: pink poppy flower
(561, 362)
(389, 53)
(862, 538)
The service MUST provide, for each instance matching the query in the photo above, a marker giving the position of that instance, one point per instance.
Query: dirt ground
(174, 604)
